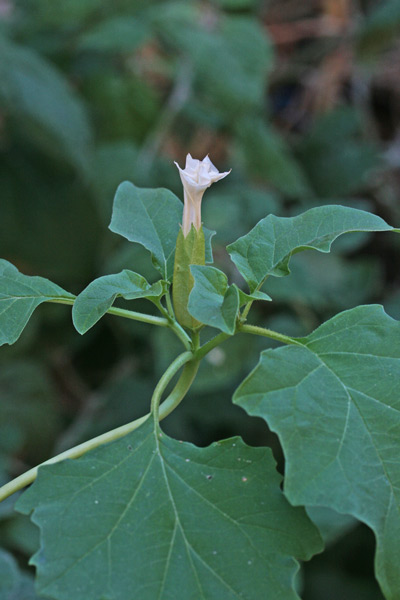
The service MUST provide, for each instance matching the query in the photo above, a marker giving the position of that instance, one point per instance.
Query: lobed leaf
(95, 300)
(267, 248)
(213, 302)
(153, 518)
(334, 402)
(19, 296)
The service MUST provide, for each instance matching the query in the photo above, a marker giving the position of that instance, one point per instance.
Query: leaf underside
(152, 518)
(19, 296)
(334, 402)
(94, 301)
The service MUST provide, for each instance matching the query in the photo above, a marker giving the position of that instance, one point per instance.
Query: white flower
(196, 177)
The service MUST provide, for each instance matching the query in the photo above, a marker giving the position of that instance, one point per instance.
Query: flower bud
(190, 246)
(196, 177)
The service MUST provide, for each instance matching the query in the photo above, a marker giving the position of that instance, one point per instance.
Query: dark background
(300, 98)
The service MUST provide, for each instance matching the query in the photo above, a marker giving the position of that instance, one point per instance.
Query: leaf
(19, 296)
(208, 235)
(215, 303)
(267, 248)
(95, 300)
(153, 517)
(152, 218)
(334, 402)
(14, 585)
(331, 524)
(118, 34)
(43, 106)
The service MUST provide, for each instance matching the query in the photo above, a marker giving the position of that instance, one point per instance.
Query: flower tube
(196, 177)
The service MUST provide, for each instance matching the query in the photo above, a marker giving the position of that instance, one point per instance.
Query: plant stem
(215, 341)
(173, 368)
(169, 305)
(246, 311)
(143, 318)
(280, 337)
(169, 404)
(121, 312)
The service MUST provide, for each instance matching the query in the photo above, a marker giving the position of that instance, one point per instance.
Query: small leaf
(334, 402)
(215, 303)
(19, 296)
(151, 218)
(208, 235)
(267, 248)
(95, 300)
(212, 301)
(147, 513)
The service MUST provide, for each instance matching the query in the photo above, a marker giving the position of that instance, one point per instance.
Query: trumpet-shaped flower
(196, 177)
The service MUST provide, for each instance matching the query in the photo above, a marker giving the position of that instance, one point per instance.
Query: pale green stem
(169, 404)
(169, 305)
(121, 312)
(173, 368)
(274, 335)
(143, 318)
(174, 325)
(215, 341)
(248, 306)
(246, 311)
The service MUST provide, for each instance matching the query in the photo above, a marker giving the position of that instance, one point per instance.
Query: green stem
(173, 368)
(121, 312)
(169, 404)
(215, 341)
(280, 337)
(246, 311)
(169, 305)
(143, 318)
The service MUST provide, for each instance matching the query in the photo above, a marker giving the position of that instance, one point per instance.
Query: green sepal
(190, 250)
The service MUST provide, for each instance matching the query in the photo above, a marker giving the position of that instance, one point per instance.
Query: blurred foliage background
(300, 99)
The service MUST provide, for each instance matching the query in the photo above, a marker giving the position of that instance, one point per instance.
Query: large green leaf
(334, 402)
(213, 302)
(150, 218)
(267, 248)
(150, 517)
(95, 300)
(19, 296)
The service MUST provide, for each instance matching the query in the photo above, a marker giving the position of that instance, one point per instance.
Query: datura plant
(139, 515)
